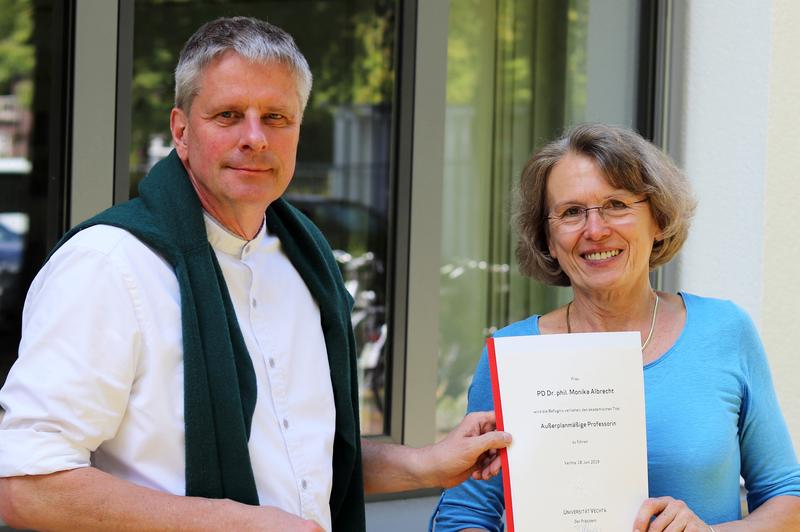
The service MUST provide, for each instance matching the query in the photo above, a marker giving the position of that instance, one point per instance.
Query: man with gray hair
(187, 359)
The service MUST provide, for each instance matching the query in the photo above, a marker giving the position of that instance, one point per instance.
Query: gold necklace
(652, 322)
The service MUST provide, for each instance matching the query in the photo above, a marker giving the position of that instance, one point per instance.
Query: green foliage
(577, 78)
(464, 32)
(349, 45)
(16, 52)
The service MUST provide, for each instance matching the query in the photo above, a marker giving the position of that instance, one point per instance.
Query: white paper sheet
(574, 404)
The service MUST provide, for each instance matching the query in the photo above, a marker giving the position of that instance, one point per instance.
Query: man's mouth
(601, 255)
(248, 169)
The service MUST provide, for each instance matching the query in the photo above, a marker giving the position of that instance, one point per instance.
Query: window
(518, 74)
(343, 179)
(34, 57)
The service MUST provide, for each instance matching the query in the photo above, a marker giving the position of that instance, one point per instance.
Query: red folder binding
(498, 415)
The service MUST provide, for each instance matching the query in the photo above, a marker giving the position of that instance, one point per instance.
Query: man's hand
(267, 519)
(471, 449)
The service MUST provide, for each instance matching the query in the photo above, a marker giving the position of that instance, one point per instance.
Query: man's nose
(254, 134)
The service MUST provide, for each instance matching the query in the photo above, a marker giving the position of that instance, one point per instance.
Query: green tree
(16, 52)
(349, 45)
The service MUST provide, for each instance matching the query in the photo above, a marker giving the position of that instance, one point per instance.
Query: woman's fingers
(665, 514)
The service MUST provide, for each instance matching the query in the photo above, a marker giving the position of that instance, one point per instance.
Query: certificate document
(574, 404)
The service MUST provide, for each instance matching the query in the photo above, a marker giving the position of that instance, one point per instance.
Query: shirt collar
(223, 240)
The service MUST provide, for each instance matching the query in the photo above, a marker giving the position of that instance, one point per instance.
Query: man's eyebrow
(216, 107)
(281, 108)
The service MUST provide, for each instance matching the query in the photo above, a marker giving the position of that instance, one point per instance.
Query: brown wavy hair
(628, 162)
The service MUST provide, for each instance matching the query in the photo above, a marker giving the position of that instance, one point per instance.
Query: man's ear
(178, 123)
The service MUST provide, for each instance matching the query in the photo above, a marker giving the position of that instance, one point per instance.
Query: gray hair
(628, 162)
(253, 39)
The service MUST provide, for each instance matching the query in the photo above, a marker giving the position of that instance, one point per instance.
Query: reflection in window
(31, 157)
(32, 111)
(519, 73)
(342, 178)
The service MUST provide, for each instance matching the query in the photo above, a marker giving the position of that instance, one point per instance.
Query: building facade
(422, 115)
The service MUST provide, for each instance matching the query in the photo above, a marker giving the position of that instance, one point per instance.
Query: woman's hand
(671, 515)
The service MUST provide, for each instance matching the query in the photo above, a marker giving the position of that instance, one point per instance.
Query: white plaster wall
(737, 137)
(781, 263)
(723, 143)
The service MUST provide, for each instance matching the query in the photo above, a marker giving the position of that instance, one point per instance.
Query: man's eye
(572, 212)
(274, 117)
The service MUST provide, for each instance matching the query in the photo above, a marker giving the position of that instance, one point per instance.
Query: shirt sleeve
(69, 388)
(474, 503)
(769, 463)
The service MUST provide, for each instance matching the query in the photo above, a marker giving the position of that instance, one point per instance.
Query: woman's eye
(572, 212)
(616, 205)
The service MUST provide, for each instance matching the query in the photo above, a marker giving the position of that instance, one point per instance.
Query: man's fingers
(492, 440)
(479, 422)
(487, 467)
(492, 469)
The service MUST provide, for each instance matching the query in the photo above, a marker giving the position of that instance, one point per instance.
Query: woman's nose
(596, 226)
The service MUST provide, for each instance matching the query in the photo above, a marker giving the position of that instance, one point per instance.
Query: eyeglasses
(612, 211)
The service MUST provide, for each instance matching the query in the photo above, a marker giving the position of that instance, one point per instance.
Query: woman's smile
(601, 256)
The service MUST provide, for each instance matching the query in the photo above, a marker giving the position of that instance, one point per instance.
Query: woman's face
(600, 254)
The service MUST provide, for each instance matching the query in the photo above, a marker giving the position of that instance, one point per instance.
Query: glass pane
(342, 179)
(466, 210)
(519, 73)
(31, 133)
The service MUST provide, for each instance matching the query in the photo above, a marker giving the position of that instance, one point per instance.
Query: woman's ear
(659, 236)
(551, 248)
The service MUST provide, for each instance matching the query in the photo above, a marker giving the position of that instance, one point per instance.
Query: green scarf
(220, 386)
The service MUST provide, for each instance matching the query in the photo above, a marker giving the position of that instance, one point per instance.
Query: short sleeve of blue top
(712, 415)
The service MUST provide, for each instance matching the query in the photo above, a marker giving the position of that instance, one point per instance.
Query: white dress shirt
(99, 379)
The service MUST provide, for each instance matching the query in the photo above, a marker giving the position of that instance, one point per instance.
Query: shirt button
(254, 303)
(285, 423)
(304, 484)
(272, 362)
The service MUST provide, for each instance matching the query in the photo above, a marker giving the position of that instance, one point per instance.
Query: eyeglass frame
(600, 211)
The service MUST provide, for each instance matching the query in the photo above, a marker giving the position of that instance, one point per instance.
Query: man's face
(238, 140)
